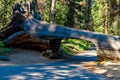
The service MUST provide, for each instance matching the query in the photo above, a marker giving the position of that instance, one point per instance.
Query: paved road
(48, 71)
(68, 69)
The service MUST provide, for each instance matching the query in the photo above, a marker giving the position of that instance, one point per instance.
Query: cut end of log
(108, 55)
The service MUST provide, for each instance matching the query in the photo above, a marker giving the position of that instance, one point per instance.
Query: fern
(3, 49)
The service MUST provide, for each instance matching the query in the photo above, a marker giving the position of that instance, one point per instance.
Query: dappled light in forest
(60, 30)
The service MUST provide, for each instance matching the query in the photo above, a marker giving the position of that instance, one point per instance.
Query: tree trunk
(88, 15)
(70, 14)
(115, 16)
(52, 11)
(41, 6)
(106, 17)
(54, 43)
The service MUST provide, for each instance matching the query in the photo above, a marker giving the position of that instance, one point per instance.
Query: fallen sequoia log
(30, 32)
(108, 47)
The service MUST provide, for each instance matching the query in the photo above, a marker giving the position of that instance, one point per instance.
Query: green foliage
(98, 15)
(67, 50)
(3, 49)
(1, 44)
(61, 10)
(79, 15)
(75, 45)
(6, 11)
(46, 11)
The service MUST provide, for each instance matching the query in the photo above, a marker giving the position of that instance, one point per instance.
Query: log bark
(108, 47)
(13, 33)
(12, 27)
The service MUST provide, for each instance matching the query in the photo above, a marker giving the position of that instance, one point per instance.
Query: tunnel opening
(80, 50)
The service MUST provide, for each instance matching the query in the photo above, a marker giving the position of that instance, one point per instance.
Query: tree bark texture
(88, 15)
(70, 14)
(106, 17)
(115, 16)
(52, 11)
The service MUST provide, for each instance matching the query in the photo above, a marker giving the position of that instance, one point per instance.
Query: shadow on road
(48, 71)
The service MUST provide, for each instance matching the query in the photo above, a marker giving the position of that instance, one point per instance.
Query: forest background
(94, 15)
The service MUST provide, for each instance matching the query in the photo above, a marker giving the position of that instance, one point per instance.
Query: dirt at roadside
(111, 70)
(21, 56)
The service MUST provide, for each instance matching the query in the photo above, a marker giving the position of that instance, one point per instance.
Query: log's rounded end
(108, 55)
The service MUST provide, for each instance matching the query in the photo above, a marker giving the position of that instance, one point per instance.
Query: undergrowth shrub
(3, 49)
(71, 46)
